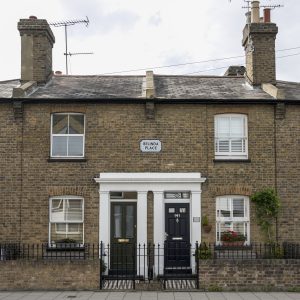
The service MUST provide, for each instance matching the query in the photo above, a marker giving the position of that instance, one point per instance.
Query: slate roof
(6, 87)
(166, 87)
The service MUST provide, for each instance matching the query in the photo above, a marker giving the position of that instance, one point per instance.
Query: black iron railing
(147, 254)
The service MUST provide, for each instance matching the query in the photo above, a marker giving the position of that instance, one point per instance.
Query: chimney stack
(37, 41)
(259, 44)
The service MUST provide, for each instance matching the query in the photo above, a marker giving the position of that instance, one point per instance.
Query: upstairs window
(67, 135)
(231, 136)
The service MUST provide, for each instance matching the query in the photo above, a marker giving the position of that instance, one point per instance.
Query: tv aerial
(66, 24)
(248, 6)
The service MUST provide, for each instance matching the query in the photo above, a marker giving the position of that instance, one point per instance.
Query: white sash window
(232, 213)
(66, 219)
(231, 136)
(67, 135)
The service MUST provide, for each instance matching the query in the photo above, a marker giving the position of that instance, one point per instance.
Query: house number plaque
(150, 145)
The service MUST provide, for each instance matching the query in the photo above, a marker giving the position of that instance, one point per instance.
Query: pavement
(69, 295)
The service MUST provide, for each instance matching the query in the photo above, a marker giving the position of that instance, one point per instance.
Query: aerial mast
(66, 24)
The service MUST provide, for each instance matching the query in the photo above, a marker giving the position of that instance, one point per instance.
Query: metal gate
(149, 267)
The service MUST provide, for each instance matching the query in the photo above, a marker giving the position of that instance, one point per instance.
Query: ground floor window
(66, 220)
(232, 213)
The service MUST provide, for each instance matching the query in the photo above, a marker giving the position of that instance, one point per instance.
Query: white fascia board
(150, 177)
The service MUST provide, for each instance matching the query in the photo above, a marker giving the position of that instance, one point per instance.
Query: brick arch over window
(66, 190)
(74, 108)
(232, 190)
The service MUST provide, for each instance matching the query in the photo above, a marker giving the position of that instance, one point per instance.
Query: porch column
(142, 234)
(104, 219)
(159, 231)
(142, 218)
(196, 222)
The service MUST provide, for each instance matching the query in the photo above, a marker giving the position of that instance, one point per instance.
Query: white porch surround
(158, 183)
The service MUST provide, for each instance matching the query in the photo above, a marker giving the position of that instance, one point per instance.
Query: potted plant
(205, 224)
(204, 251)
(232, 238)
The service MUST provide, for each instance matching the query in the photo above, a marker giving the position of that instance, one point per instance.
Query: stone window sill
(75, 160)
(232, 160)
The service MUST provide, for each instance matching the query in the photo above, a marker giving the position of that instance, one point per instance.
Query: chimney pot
(248, 17)
(267, 15)
(255, 12)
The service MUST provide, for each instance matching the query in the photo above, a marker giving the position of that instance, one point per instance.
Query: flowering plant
(232, 236)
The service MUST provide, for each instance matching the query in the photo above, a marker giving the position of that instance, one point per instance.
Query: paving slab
(115, 295)
(182, 296)
(198, 296)
(232, 296)
(165, 296)
(294, 296)
(132, 296)
(99, 296)
(151, 296)
(16, 295)
(4, 294)
(215, 296)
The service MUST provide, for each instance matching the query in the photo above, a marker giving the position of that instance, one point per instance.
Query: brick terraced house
(139, 159)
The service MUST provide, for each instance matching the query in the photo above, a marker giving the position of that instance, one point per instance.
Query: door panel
(123, 238)
(177, 244)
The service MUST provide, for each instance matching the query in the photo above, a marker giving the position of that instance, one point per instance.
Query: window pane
(59, 232)
(129, 221)
(75, 146)
(117, 221)
(61, 228)
(57, 205)
(59, 124)
(237, 145)
(57, 213)
(73, 228)
(238, 208)
(223, 124)
(223, 227)
(239, 227)
(223, 146)
(237, 127)
(59, 146)
(74, 210)
(76, 124)
(224, 208)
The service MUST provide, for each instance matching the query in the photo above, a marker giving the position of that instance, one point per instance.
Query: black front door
(177, 228)
(123, 238)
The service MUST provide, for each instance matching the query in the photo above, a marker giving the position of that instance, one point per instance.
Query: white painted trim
(67, 135)
(142, 183)
(65, 197)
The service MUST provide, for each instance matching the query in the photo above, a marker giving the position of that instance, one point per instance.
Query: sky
(129, 35)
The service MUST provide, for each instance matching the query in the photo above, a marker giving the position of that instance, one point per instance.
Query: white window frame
(67, 135)
(231, 219)
(231, 154)
(64, 198)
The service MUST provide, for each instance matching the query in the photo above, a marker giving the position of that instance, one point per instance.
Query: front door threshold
(178, 270)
